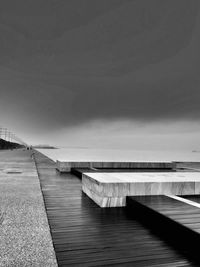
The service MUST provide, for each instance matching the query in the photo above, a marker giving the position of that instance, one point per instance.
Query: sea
(121, 155)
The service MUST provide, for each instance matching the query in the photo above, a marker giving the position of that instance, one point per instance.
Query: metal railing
(7, 135)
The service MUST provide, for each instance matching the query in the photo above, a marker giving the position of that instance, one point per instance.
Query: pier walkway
(25, 238)
(173, 217)
(85, 235)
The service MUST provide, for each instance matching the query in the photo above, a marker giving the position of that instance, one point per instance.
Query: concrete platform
(111, 189)
(66, 166)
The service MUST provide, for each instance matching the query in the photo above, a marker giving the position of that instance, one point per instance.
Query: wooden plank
(86, 235)
(195, 198)
(111, 189)
(79, 171)
(179, 222)
(66, 166)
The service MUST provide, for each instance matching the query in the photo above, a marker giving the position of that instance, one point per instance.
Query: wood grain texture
(195, 198)
(67, 166)
(111, 189)
(179, 212)
(172, 219)
(86, 235)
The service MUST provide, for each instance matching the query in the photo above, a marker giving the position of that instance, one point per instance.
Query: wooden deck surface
(177, 211)
(86, 235)
(110, 189)
(195, 198)
(176, 220)
(79, 171)
(66, 166)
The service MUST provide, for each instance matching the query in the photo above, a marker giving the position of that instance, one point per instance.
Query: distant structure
(9, 137)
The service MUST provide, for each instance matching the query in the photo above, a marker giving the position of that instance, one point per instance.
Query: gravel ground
(25, 238)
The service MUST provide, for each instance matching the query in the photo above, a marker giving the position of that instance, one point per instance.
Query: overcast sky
(101, 73)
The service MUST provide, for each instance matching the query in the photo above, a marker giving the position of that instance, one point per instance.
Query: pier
(111, 189)
(87, 235)
(99, 133)
(47, 220)
(67, 166)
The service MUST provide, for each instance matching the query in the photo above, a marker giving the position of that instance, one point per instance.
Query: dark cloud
(68, 62)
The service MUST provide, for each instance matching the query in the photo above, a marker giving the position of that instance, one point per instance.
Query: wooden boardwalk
(79, 172)
(177, 221)
(111, 189)
(179, 212)
(195, 198)
(86, 235)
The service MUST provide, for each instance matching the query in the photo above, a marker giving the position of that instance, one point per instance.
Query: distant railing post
(10, 137)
